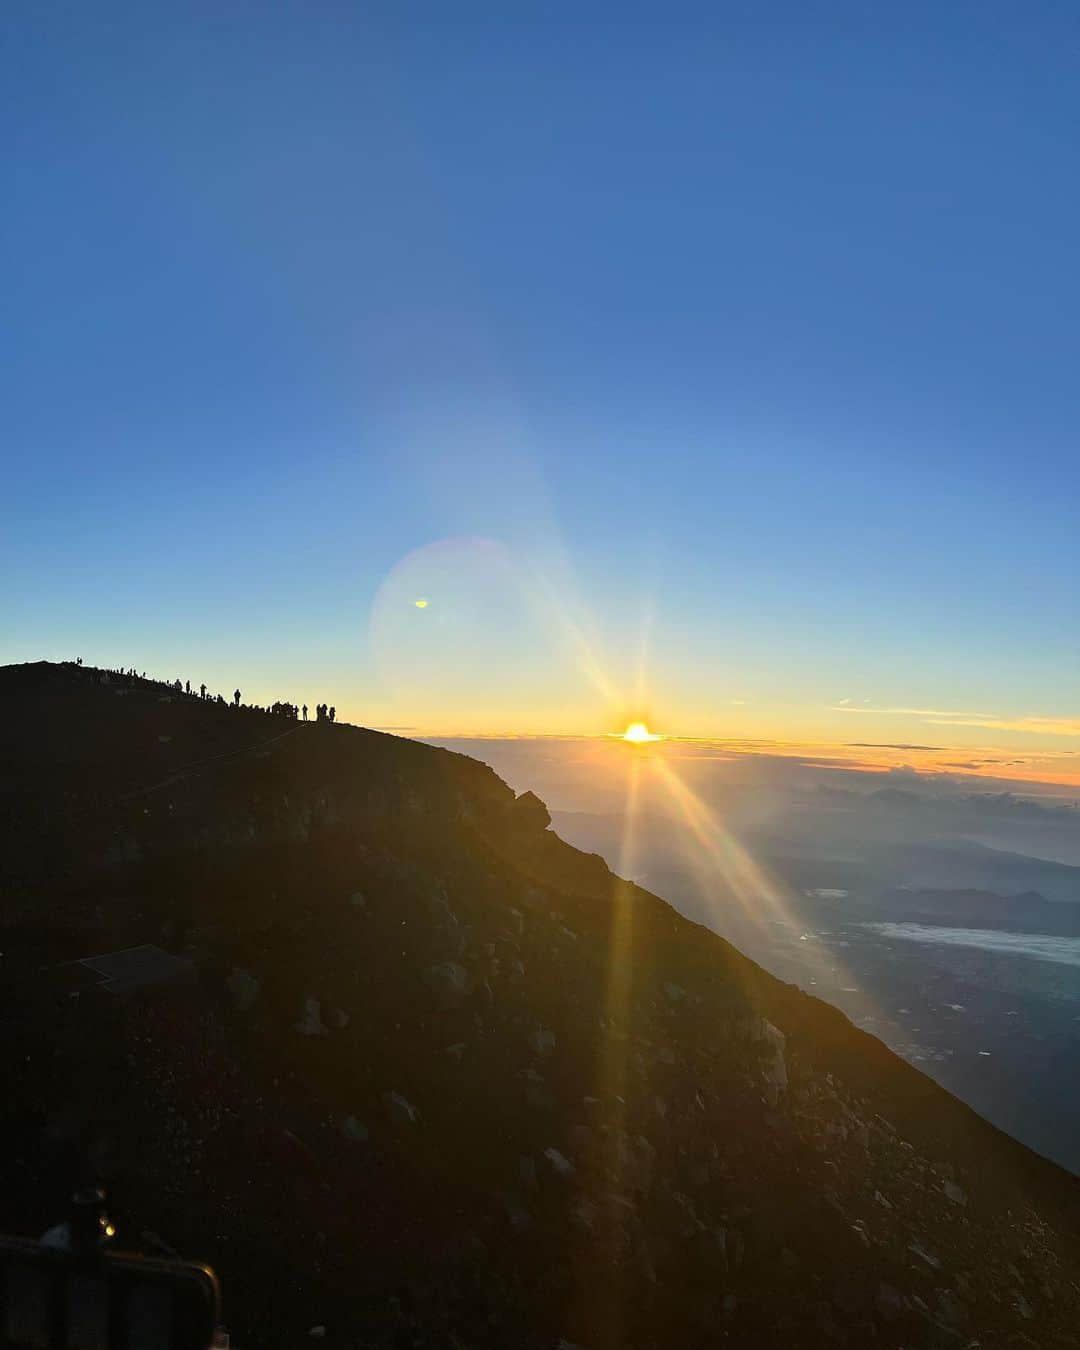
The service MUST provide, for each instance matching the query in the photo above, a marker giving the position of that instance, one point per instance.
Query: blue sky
(751, 327)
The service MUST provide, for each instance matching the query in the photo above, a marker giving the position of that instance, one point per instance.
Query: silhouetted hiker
(332, 714)
(236, 697)
(202, 690)
(187, 686)
(305, 712)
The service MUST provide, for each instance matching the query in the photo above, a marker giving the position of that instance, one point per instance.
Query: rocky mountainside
(410, 1071)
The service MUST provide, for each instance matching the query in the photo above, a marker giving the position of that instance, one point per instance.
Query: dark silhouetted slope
(423, 1074)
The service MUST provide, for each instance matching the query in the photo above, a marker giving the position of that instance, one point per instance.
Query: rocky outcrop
(529, 813)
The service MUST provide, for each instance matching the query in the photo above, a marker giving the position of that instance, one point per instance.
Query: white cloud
(845, 705)
(950, 717)
(1036, 726)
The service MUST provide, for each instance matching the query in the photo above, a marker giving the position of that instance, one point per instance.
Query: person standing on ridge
(305, 712)
(332, 714)
(202, 690)
(236, 697)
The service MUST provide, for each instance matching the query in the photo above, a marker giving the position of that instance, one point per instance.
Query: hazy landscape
(941, 916)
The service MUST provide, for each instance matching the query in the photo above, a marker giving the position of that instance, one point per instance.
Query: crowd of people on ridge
(281, 708)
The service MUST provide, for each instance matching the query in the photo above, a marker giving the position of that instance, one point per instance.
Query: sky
(713, 365)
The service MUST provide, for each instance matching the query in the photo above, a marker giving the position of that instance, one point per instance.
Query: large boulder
(399, 1109)
(541, 1041)
(560, 1164)
(310, 1022)
(243, 987)
(352, 1129)
(449, 981)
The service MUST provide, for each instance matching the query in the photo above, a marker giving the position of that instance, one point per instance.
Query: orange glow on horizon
(990, 764)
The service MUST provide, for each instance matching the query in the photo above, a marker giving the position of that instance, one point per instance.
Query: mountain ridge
(480, 1024)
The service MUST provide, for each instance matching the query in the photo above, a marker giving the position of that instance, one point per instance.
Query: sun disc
(638, 732)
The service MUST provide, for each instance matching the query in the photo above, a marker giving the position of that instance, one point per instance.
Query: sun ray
(557, 612)
(760, 899)
(644, 646)
(614, 1041)
(621, 946)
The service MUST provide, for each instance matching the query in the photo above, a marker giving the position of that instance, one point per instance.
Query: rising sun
(638, 732)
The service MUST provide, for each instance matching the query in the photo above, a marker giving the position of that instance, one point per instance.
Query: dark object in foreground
(54, 1300)
(68, 1292)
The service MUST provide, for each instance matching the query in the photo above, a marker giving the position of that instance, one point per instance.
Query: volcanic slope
(337, 1013)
